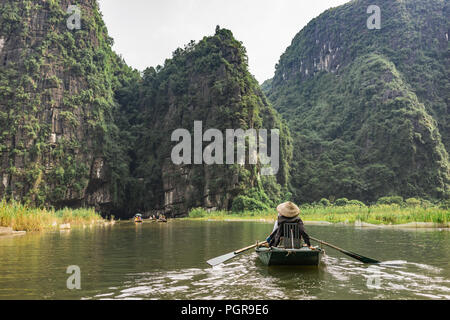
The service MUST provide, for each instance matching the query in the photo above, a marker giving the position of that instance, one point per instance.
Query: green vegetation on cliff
(206, 81)
(80, 128)
(368, 109)
(366, 112)
(57, 133)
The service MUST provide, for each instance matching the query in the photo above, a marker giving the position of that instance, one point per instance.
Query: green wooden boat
(290, 251)
(276, 256)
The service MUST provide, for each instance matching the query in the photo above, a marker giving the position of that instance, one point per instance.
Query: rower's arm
(304, 234)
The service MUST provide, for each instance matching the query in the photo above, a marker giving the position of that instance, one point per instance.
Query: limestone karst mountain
(368, 109)
(208, 82)
(56, 104)
(80, 128)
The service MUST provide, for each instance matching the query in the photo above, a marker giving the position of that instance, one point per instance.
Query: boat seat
(291, 236)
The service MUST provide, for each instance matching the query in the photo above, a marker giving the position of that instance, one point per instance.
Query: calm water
(167, 261)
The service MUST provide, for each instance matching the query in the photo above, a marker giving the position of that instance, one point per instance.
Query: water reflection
(247, 279)
(167, 261)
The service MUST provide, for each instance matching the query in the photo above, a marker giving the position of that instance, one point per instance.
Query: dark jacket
(275, 237)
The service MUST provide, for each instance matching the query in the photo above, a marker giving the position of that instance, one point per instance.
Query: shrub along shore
(21, 217)
(384, 212)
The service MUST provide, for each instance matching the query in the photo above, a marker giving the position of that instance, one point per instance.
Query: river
(167, 261)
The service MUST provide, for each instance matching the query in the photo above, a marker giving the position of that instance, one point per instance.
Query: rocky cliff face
(207, 82)
(60, 142)
(369, 107)
(56, 104)
(368, 110)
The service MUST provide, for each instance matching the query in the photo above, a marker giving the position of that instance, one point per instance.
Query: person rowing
(288, 212)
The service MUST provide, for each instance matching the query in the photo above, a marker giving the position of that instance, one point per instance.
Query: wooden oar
(218, 260)
(349, 253)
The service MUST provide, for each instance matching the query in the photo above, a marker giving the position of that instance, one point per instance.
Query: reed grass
(25, 218)
(376, 214)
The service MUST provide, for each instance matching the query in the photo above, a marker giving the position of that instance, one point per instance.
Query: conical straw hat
(288, 210)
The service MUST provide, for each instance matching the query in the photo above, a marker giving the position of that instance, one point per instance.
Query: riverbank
(370, 216)
(20, 217)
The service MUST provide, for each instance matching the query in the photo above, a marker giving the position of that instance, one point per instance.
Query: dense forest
(362, 113)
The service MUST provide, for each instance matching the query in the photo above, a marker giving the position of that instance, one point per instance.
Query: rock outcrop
(56, 103)
(208, 82)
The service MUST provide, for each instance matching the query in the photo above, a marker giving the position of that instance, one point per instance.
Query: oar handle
(249, 247)
(327, 244)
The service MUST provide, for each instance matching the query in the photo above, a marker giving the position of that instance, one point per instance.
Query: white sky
(146, 32)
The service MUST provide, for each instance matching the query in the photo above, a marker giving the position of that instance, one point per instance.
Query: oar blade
(218, 260)
(360, 257)
(370, 261)
(349, 253)
(366, 259)
(215, 261)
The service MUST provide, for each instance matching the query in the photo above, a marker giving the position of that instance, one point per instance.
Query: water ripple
(245, 278)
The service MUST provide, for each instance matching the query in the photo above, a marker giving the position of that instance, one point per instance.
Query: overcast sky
(146, 32)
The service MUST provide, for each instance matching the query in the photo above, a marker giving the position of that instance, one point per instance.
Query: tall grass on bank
(22, 217)
(376, 214)
(202, 214)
